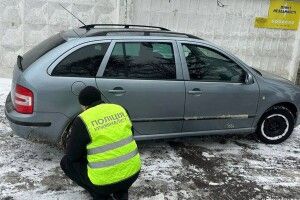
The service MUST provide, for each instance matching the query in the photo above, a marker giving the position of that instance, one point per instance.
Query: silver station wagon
(173, 85)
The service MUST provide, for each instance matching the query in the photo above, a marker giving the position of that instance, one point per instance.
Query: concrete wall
(26, 22)
(231, 27)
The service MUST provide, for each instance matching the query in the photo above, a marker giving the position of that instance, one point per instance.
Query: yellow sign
(283, 14)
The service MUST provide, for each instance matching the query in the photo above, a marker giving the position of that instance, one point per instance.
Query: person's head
(88, 96)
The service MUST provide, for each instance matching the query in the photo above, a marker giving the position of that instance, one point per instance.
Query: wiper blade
(19, 62)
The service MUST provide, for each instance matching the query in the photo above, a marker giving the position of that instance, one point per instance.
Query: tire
(64, 137)
(276, 125)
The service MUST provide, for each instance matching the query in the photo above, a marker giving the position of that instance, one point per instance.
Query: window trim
(70, 51)
(178, 64)
(186, 73)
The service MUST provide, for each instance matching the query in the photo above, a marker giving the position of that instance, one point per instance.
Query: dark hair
(89, 95)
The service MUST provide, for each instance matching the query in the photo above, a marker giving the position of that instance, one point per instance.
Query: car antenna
(72, 14)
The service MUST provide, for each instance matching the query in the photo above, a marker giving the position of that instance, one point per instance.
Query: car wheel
(276, 125)
(64, 137)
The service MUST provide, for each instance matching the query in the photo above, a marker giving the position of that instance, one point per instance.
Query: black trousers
(78, 173)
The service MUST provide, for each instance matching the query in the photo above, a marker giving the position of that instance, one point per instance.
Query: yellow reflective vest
(112, 153)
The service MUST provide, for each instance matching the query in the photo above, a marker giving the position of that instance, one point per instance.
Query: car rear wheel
(64, 137)
(276, 125)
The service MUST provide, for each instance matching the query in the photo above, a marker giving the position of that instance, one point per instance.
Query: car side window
(141, 60)
(205, 64)
(83, 62)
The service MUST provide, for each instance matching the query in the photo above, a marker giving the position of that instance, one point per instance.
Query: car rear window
(38, 51)
(83, 62)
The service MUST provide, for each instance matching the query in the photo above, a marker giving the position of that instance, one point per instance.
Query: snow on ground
(4, 88)
(227, 167)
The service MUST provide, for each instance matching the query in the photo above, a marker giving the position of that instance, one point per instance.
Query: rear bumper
(39, 126)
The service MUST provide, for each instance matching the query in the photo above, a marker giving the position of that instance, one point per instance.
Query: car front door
(146, 78)
(217, 97)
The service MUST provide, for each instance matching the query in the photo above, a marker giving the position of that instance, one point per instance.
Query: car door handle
(195, 92)
(117, 91)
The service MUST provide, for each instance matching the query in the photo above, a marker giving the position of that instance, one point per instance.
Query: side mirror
(249, 79)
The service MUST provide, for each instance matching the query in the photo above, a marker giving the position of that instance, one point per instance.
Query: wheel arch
(63, 136)
(289, 109)
(290, 106)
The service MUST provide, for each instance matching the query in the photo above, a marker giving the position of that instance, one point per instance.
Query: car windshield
(38, 51)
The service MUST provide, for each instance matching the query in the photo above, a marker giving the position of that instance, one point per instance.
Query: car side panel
(220, 105)
(275, 92)
(155, 106)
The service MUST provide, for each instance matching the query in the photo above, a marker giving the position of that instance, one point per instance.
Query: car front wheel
(276, 125)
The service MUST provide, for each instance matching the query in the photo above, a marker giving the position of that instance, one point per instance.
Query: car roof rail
(148, 33)
(90, 26)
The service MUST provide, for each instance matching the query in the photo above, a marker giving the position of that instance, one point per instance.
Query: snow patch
(198, 169)
(5, 85)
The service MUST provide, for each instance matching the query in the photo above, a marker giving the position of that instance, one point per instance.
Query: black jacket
(77, 141)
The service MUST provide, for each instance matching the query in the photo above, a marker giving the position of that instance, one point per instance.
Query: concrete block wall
(24, 23)
(231, 27)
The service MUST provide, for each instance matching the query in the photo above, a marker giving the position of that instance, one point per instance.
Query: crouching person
(101, 154)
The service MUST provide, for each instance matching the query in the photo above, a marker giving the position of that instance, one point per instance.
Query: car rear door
(145, 76)
(217, 97)
(69, 74)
